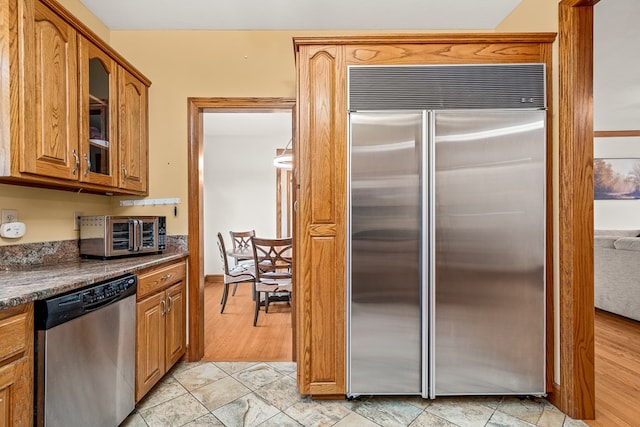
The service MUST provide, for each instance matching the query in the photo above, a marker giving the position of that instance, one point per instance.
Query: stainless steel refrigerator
(446, 247)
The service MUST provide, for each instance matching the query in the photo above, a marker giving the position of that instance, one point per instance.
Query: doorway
(198, 107)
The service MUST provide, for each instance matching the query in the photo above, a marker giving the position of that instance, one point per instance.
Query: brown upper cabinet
(78, 110)
(321, 172)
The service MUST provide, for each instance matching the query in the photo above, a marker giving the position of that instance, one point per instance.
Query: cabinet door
(98, 115)
(175, 324)
(16, 366)
(9, 377)
(50, 123)
(150, 348)
(132, 134)
(4, 407)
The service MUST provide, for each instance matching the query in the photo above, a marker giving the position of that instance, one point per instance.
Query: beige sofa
(617, 272)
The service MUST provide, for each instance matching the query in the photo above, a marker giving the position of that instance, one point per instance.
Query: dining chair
(273, 263)
(239, 273)
(241, 249)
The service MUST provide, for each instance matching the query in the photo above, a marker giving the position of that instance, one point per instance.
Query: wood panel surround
(575, 393)
(322, 167)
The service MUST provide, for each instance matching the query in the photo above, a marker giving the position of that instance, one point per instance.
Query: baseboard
(212, 279)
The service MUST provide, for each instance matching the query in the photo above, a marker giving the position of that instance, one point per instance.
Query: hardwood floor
(617, 371)
(231, 336)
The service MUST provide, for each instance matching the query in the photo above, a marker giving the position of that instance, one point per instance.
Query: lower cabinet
(16, 366)
(161, 323)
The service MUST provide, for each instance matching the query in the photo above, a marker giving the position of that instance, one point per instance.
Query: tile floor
(265, 394)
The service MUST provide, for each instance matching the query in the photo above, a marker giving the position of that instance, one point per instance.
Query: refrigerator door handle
(429, 262)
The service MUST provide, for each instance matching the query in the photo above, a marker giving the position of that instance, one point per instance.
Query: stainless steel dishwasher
(85, 355)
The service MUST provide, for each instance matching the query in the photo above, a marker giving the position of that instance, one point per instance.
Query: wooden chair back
(241, 241)
(272, 258)
(223, 253)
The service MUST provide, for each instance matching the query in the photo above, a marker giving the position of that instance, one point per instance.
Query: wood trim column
(195, 271)
(577, 378)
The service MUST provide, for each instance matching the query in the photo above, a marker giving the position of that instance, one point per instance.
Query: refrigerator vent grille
(445, 87)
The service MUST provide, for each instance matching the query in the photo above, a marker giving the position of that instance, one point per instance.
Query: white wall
(239, 176)
(616, 99)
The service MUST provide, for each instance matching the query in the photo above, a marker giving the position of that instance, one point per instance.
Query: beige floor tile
(280, 420)
(528, 410)
(220, 392)
(386, 411)
(281, 393)
(355, 420)
(551, 417)
(167, 388)
(257, 376)
(470, 413)
(199, 376)
(283, 367)
(208, 420)
(233, 367)
(570, 422)
(248, 411)
(317, 413)
(426, 419)
(500, 419)
(134, 420)
(176, 412)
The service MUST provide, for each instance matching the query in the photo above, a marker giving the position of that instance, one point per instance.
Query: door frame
(196, 109)
(575, 395)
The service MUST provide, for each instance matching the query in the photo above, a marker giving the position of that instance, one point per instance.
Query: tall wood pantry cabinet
(74, 112)
(321, 172)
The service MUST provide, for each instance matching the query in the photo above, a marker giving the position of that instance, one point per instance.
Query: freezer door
(490, 251)
(384, 334)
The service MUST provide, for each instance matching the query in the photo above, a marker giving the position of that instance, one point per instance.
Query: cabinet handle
(170, 304)
(124, 173)
(164, 307)
(75, 156)
(86, 159)
(166, 277)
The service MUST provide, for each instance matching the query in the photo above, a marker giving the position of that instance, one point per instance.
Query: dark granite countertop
(19, 286)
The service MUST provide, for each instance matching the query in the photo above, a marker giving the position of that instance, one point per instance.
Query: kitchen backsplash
(46, 253)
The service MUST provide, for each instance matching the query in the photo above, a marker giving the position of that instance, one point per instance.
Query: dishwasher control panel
(63, 308)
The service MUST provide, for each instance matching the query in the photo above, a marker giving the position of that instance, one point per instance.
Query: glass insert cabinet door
(99, 110)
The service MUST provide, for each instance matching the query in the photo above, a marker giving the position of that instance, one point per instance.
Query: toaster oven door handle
(135, 235)
(132, 235)
(138, 233)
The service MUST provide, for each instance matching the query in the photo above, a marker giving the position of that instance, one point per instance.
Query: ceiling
(301, 14)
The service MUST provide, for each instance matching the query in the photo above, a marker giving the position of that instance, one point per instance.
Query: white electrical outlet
(9, 215)
(76, 220)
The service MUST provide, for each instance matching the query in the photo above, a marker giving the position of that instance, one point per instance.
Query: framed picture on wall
(616, 178)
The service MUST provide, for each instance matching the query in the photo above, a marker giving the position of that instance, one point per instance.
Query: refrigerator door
(490, 252)
(386, 158)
